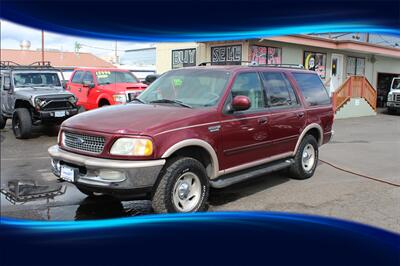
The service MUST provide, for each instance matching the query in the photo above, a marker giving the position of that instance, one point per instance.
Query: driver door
(245, 134)
(6, 96)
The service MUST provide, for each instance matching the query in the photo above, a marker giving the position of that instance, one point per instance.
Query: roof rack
(233, 63)
(35, 65)
(255, 64)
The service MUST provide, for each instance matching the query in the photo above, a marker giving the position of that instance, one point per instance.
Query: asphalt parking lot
(367, 145)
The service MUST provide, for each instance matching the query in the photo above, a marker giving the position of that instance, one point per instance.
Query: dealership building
(334, 60)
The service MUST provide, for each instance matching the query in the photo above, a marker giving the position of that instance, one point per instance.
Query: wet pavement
(369, 145)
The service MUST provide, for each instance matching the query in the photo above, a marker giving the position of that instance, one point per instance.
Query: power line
(100, 48)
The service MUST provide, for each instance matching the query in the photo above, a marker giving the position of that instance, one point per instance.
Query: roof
(237, 68)
(57, 59)
(346, 45)
(102, 68)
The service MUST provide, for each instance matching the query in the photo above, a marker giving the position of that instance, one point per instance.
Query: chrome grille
(396, 97)
(83, 142)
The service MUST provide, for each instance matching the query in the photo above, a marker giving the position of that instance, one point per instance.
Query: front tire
(183, 187)
(306, 159)
(22, 123)
(86, 191)
(3, 121)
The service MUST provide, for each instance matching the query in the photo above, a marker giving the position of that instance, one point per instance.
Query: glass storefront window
(316, 62)
(355, 66)
(265, 55)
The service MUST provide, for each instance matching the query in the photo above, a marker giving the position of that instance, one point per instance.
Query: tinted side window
(279, 90)
(249, 84)
(88, 77)
(312, 88)
(77, 78)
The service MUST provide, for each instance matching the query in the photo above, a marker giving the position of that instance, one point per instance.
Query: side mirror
(7, 86)
(150, 79)
(88, 84)
(241, 103)
(64, 84)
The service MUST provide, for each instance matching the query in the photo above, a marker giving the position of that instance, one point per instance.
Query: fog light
(56, 165)
(111, 175)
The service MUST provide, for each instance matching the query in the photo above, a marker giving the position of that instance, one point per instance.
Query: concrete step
(355, 107)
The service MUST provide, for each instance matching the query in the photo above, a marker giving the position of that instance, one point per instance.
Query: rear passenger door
(286, 115)
(75, 86)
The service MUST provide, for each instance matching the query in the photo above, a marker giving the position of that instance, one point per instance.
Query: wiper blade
(171, 101)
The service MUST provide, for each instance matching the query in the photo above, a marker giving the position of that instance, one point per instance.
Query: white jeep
(393, 100)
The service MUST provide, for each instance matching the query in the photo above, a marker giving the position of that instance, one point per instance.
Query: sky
(12, 34)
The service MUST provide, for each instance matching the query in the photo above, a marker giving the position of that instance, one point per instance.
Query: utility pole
(116, 53)
(43, 46)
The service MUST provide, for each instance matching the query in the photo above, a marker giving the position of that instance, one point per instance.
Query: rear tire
(22, 123)
(183, 187)
(306, 159)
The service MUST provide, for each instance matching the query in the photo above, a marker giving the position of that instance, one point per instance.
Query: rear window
(112, 77)
(312, 88)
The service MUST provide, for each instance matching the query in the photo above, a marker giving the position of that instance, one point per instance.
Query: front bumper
(52, 115)
(393, 105)
(106, 175)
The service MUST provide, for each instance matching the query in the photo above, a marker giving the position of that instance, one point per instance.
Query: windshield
(112, 77)
(192, 87)
(396, 84)
(36, 80)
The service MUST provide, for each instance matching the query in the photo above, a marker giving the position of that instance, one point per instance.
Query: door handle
(80, 89)
(300, 115)
(263, 120)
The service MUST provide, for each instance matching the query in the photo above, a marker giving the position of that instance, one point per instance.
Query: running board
(233, 178)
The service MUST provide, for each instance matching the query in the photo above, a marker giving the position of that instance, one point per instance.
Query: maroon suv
(194, 128)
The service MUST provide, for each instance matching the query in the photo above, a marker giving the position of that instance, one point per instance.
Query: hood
(129, 86)
(135, 118)
(42, 91)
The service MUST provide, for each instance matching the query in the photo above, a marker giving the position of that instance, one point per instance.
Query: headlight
(72, 99)
(120, 98)
(39, 102)
(390, 97)
(132, 147)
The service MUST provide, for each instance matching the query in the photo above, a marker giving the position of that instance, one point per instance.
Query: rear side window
(279, 90)
(312, 88)
(77, 78)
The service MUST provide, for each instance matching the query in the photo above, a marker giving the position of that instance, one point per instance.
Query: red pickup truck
(196, 128)
(95, 87)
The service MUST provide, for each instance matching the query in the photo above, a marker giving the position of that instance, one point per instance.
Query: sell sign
(226, 55)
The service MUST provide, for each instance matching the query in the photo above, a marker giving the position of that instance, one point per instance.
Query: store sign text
(222, 55)
(183, 58)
